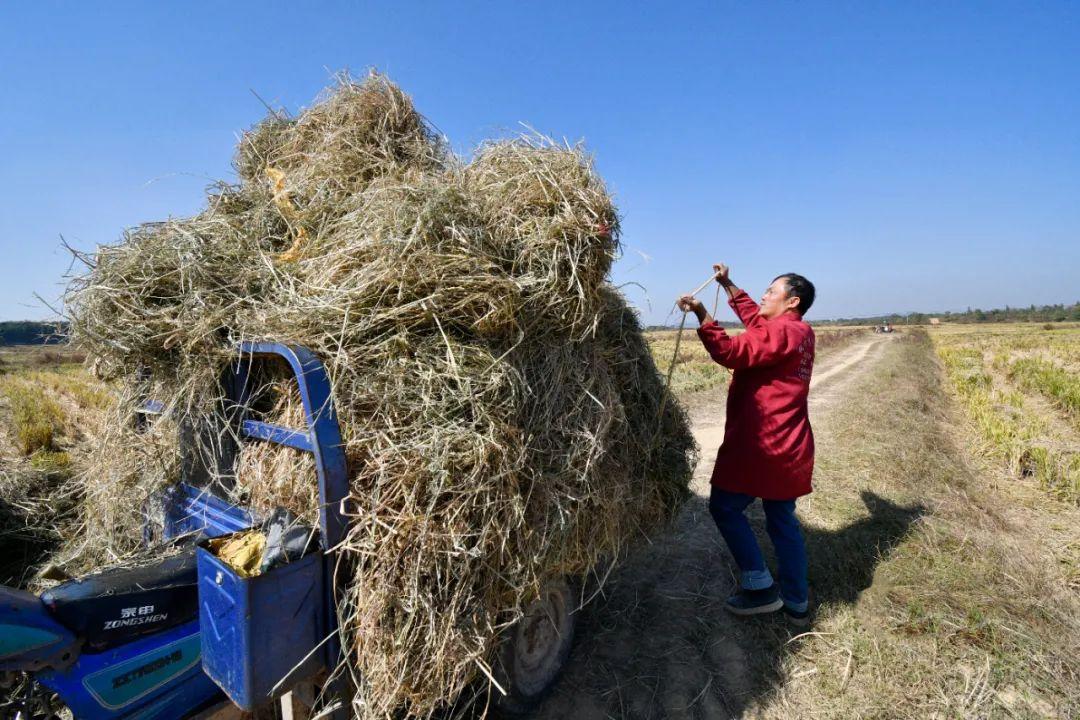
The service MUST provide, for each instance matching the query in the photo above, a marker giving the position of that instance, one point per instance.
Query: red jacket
(768, 448)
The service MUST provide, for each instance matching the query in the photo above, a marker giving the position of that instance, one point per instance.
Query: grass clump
(37, 514)
(53, 463)
(74, 383)
(36, 419)
(1059, 385)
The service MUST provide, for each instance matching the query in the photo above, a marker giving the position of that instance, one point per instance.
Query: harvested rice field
(1020, 384)
(352, 361)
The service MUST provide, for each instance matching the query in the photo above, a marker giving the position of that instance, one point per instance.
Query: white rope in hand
(678, 341)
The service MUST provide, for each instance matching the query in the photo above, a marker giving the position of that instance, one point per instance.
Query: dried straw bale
(272, 476)
(499, 406)
(164, 297)
(403, 255)
(114, 485)
(548, 206)
(354, 133)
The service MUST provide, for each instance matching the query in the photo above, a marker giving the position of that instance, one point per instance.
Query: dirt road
(659, 644)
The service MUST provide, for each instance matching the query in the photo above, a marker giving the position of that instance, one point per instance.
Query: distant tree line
(28, 332)
(1033, 313)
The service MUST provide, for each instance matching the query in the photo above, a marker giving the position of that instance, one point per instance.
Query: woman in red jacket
(768, 448)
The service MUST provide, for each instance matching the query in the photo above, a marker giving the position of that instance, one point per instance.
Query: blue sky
(904, 156)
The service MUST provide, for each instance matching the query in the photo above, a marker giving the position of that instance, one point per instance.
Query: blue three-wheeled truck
(187, 636)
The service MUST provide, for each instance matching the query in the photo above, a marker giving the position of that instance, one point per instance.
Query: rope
(678, 342)
(671, 369)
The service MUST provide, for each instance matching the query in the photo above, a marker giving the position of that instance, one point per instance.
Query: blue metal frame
(322, 438)
(190, 509)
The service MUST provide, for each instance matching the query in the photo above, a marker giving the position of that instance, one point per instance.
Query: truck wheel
(531, 658)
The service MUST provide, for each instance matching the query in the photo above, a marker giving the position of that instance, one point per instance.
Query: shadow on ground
(22, 546)
(659, 643)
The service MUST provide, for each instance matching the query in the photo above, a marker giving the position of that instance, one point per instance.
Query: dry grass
(947, 584)
(694, 370)
(36, 419)
(72, 383)
(499, 405)
(37, 514)
(37, 503)
(14, 358)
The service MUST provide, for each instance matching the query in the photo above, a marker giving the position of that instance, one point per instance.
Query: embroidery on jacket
(806, 359)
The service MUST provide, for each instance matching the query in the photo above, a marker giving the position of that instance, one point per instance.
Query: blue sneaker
(755, 602)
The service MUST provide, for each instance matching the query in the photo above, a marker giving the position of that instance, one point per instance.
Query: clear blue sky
(903, 155)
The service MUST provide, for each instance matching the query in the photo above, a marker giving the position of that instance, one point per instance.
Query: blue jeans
(783, 528)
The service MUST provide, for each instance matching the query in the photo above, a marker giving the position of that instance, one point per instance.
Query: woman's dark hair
(799, 287)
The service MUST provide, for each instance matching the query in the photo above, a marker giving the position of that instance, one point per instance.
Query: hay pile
(498, 402)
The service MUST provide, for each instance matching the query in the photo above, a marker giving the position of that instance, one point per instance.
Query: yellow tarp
(242, 552)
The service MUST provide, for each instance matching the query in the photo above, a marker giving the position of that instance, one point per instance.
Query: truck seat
(113, 607)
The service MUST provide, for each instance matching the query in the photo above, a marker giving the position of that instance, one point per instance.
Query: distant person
(768, 448)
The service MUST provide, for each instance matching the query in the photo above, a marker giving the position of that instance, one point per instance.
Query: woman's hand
(689, 303)
(721, 271)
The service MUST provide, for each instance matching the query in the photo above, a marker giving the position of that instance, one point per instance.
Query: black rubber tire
(535, 650)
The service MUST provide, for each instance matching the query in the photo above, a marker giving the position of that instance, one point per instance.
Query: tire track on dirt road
(844, 363)
(659, 644)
